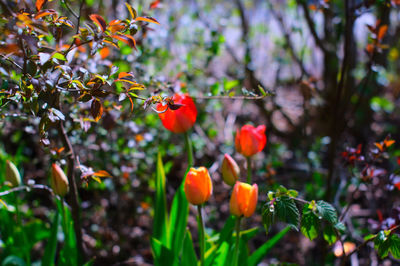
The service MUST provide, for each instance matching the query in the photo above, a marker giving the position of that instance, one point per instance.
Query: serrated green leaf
(340, 227)
(293, 193)
(309, 223)
(327, 212)
(286, 211)
(395, 246)
(329, 234)
(268, 216)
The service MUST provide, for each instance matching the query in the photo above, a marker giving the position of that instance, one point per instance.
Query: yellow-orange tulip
(58, 181)
(198, 186)
(244, 199)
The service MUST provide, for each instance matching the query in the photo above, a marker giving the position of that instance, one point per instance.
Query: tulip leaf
(51, 246)
(178, 220)
(188, 253)
(256, 257)
(160, 224)
(161, 253)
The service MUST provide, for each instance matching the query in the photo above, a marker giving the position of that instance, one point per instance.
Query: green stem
(236, 254)
(19, 224)
(189, 150)
(64, 219)
(201, 235)
(248, 159)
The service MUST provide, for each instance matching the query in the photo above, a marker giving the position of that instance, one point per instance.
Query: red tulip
(244, 199)
(250, 140)
(198, 185)
(182, 119)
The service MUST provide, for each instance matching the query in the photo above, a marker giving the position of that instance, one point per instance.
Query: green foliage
(387, 242)
(309, 223)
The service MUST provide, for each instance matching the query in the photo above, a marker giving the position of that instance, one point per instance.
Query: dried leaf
(102, 173)
(382, 31)
(125, 74)
(99, 21)
(155, 4)
(104, 53)
(39, 4)
(147, 19)
(129, 40)
(45, 13)
(96, 109)
(132, 11)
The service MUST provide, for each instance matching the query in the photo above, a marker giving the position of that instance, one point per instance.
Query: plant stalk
(236, 254)
(201, 235)
(189, 150)
(248, 159)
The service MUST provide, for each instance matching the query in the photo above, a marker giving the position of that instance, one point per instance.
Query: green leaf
(59, 56)
(256, 257)
(286, 211)
(327, 212)
(268, 215)
(160, 223)
(395, 246)
(188, 253)
(13, 261)
(218, 254)
(249, 233)
(178, 220)
(161, 253)
(309, 223)
(329, 234)
(51, 247)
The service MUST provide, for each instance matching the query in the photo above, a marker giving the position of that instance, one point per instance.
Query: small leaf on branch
(39, 4)
(96, 109)
(97, 19)
(147, 19)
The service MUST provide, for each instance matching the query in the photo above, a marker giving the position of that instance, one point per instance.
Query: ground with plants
(199, 132)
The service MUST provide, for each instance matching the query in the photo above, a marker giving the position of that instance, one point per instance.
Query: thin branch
(11, 61)
(311, 26)
(70, 10)
(27, 188)
(288, 40)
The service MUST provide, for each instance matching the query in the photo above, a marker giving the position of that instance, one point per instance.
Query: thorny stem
(201, 235)
(248, 159)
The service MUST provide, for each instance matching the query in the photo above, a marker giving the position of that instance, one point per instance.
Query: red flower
(250, 140)
(198, 185)
(182, 119)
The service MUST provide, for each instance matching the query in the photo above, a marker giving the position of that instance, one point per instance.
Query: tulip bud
(244, 199)
(250, 140)
(12, 174)
(59, 181)
(198, 185)
(230, 170)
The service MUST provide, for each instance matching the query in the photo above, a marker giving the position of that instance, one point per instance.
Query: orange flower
(198, 186)
(250, 140)
(182, 119)
(244, 199)
(230, 170)
(58, 181)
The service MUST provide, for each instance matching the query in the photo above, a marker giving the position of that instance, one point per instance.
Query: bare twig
(27, 188)
(311, 26)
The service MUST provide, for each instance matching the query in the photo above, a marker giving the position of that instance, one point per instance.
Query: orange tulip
(181, 119)
(230, 170)
(198, 186)
(244, 199)
(58, 181)
(250, 140)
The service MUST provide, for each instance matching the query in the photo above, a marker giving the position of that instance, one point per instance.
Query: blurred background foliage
(330, 69)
